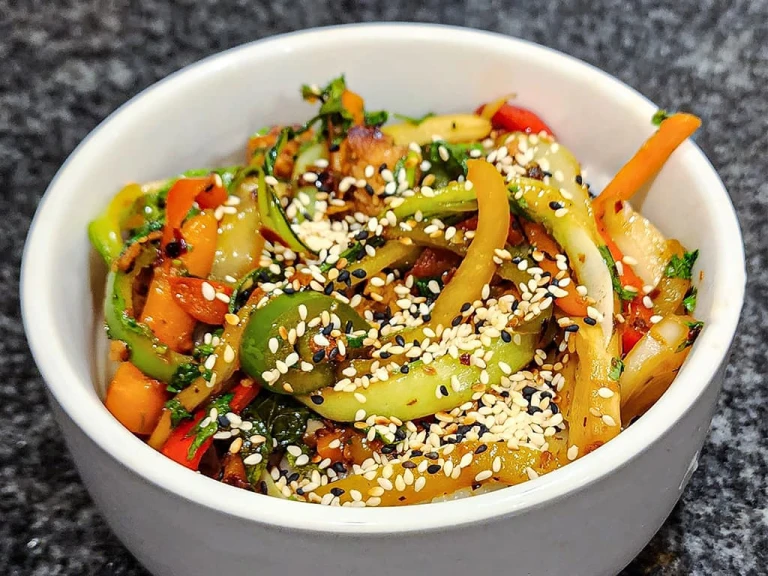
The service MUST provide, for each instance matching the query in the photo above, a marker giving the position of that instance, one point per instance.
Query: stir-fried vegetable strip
(373, 314)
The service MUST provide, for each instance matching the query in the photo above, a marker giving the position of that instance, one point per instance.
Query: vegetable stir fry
(375, 313)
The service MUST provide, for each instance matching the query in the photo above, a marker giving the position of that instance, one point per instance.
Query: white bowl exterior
(575, 521)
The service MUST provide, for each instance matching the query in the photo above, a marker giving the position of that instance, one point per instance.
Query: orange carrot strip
(135, 400)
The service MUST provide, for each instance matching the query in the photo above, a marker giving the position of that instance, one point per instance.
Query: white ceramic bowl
(589, 518)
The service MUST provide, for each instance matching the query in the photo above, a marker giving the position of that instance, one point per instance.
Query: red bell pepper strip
(208, 192)
(180, 441)
(517, 119)
(188, 294)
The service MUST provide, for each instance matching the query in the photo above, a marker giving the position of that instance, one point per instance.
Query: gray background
(65, 65)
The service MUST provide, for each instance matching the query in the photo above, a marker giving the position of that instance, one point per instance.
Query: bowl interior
(202, 117)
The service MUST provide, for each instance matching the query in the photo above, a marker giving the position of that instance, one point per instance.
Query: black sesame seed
(327, 330)
(382, 167)
(409, 464)
(399, 434)
(416, 342)
(506, 336)
(369, 189)
(318, 356)
(336, 491)
(427, 317)
(578, 179)
(443, 390)
(404, 369)
(400, 340)
(385, 355)
(555, 205)
(533, 409)
(223, 421)
(293, 477)
(482, 448)
(317, 399)
(388, 449)
(333, 354)
(431, 456)
(466, 306)
(263, 487)
(362, 235)
(348, 327)
(529, 391)
(333, 148)
(504, 394)
(555, 408)
(359, 273)
(328, 289)
(343, 276)
(289, 289)
(572, 328)
(433, 468)
(417, 453)
(339, 467)
(547, 394)
(456, 321)
(590, 321)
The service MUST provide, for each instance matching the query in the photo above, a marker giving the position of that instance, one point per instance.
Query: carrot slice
(200, 234)
(355, 105)
(167, 320)
(672, 132)
(135, 400)
(190, 295)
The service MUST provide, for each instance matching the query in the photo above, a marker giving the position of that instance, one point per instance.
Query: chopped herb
(694, 329)
(178, 412)
(617, 367)
(355, 341)
(202, 350)
(681, 267)
(447, 170)
(413, 120)
(184, 376)
(376, 118)
(202, 434)
(422, 285)
(284, 419)
(689, 302)
(659, 117)
(615, 280)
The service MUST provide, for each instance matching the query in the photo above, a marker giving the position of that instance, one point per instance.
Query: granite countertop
(67, 65)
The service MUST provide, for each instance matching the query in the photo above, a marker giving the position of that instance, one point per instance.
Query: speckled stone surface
(66, 65)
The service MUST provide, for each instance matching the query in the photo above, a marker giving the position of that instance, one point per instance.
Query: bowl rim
(91, 417)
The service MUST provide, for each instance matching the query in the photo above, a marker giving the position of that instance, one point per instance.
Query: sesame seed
(604, 392)
(532, 474)
(229, 354)
(484, 475)
(655, 319)
(418, 486)
(294, 451)
(210, 362)
(209, 292)
(232, 319)
(253, 459)
(608, 420)
(302, 460)
(573, 452)
(360, 415)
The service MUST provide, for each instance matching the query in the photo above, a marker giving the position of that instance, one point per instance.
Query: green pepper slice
(104, 232)
(425, 389)
(265, 323)
(149, 355)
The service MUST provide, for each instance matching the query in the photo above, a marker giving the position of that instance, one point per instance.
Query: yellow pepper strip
(396, 485)
(490, 109)
(653, 362)
(595, 409)
(477, 268)
(104, 232)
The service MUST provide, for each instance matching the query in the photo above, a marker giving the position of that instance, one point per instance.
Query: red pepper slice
(208, 192)
(188, 294)
(179, 442)
(518, 119)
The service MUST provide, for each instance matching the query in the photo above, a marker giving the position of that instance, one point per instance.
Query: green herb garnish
(681, 267)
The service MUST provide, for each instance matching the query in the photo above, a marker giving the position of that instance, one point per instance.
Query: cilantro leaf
(178, 412)
(285, 420)
(681, 267)
(659, 117)
(617, 367)
(689, 302)
(376, 118)
(355, 341)
(422, 285)
(203, 433)
(694, 329)
(622, 292)
(447, 166)
(184, 376)
(413, 120)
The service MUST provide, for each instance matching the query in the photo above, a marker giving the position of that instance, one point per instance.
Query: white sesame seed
(573, 452)
(655, 319)
(302, 460)
(532, 474)
(209, 292)
(253, 459)
(229, 354)
(360, 415)
(484, 475)
(210, 362)
(605, 392)
(647, 302)
(223, 297)
(420, 483)
(369, 171)
(608, 420)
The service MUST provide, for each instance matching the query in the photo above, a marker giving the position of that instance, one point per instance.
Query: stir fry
(376, 310)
